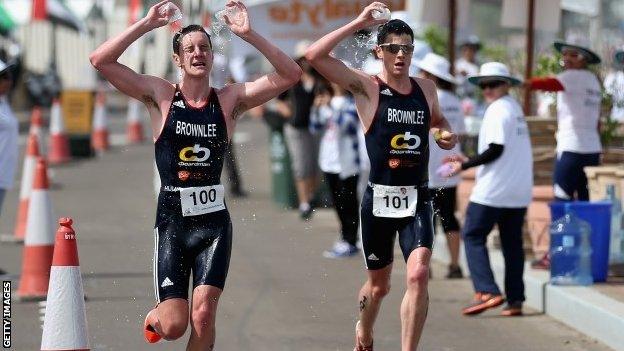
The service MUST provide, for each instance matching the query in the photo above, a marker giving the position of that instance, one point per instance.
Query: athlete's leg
(416, 299)
(416, 241)
(203, 312)
(170, 318)
(209, 275)
(372, 293)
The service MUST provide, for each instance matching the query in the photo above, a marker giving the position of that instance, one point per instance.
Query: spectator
(295, 105)
(444, 190)
(339, 159)
(467, 65)
(501, 194)
(8, 135)
(578, 112)
(614, 85)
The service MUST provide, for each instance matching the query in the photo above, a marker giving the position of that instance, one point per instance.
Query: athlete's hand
(237, 18)
(154, 19)
(445, 139)
(366, 19)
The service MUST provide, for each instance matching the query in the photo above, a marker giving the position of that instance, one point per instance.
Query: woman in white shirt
(443, 189)
(8, 134)
(579, 96)
(501, 194)
(334, 114)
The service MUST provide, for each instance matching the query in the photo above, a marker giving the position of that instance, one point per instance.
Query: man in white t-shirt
(501, 193)
(8, 134)
(579, 97)
(614, 85)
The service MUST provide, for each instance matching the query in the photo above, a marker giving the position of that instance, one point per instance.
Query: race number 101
(396, 202)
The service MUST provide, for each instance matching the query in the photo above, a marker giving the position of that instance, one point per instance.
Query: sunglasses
(491, 85)
(395, 48)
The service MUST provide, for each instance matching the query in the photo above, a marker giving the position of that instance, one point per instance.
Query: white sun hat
(438, 66)
(492, 71)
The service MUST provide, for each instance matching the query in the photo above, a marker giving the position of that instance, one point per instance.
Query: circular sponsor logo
(394, 163)
(184, 175)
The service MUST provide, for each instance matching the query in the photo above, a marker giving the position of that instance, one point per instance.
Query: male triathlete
(397, 113)
(192, 124)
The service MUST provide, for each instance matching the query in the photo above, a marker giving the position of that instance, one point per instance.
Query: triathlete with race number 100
(192, 124)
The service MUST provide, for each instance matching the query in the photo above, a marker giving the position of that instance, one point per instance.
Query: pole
(529, 62)
(451, 38)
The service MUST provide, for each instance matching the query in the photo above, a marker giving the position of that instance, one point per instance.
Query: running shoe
(454, 272)
(512, 309)
(481, 302)
(306, 214)
(341, 249)
(150, 334)
(358, 345)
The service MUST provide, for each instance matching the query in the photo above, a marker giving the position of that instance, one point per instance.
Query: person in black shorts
(397, 113)
(192, 124)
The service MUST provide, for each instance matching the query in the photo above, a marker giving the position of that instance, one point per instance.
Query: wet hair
(395, 26)
(177, 38)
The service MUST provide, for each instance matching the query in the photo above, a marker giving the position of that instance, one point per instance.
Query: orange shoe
(482, 302)
(358, 345)
(150, 334)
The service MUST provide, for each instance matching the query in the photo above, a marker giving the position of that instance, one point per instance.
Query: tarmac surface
(281, 294)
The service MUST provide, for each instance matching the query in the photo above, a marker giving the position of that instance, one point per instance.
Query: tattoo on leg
(363, 303)
(149, 101)
(357, 88)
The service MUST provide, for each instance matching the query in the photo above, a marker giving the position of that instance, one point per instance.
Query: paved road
(280, 295)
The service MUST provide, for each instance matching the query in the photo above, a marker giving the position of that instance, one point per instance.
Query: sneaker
(305, 211)
(481, 302)
(358, 345)
(341, 249)
(542, 263)
(512, 309)
(454, 272)
(150, 334)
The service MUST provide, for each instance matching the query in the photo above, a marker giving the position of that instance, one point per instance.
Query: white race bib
(202, 200)
(394, 201)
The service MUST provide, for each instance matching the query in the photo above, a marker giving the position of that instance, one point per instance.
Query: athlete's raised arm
(139, 86)
(251, 94)
(440, 128)
(319, 55)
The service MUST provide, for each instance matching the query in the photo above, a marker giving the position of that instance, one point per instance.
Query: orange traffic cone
(36, 126)
(39, 243)
(65, 322)
(99, 137)
(28, 174)
(58, 144)
(135, 129)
